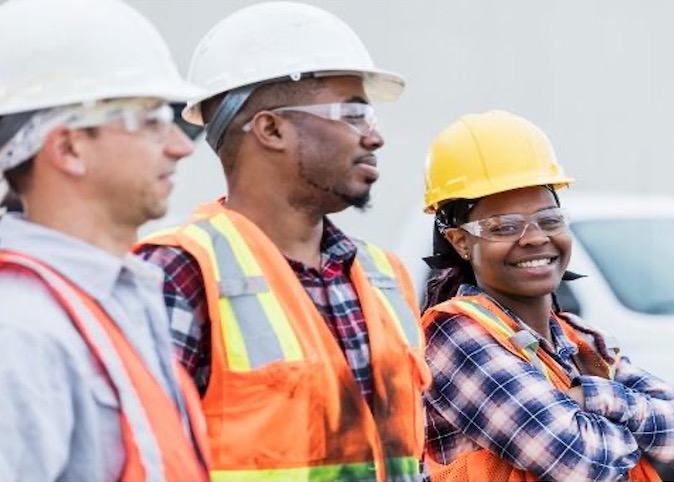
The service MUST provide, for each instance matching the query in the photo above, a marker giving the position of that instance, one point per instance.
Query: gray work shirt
(59, 417)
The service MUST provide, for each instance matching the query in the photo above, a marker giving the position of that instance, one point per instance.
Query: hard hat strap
(233, 101)
(12, 123)
(226, 111)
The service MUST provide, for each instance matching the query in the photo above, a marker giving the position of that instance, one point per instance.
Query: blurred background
(596, 75)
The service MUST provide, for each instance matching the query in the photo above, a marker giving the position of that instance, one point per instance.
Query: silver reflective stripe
(147, 445)
(245, 286)
(524, 340)
(242, 291)
(390, 288)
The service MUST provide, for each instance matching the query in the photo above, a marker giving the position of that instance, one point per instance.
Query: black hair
(449, 269)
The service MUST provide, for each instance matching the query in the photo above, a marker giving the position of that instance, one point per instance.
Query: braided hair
(449, 269)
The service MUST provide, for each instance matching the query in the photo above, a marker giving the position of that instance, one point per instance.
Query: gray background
(597, 76)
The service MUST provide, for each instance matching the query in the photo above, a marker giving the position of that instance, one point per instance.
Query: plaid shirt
(330, 289)
(484, 397)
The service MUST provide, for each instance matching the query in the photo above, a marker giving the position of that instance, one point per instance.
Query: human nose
(533, 236)
(373, 140)
(178, 145)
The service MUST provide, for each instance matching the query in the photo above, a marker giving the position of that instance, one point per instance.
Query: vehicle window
(636, 258)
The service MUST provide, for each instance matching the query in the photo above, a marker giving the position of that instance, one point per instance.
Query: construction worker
(522, 391)
(90, 389)
(304, 343)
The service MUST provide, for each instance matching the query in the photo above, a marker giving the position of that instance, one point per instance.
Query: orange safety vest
(282, 403)
(155, 443)
(483, 465)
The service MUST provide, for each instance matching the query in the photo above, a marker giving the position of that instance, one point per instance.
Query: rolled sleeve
(501, 403)
(638, 400)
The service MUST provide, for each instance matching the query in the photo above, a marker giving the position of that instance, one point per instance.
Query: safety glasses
(151, 121)
(357, 116)
(511, 227)
(150, 118)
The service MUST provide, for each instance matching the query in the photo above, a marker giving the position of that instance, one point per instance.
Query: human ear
(269, 130)
(62, 152)
(458, 238)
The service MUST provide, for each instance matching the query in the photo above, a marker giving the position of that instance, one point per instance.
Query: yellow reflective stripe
(398, 469)
(235, 346)
(380, 260)
(244, 256)
(375, 258)
(392, 313)
(237, 355)
(276, 316)
(493, 320)
(290, 345)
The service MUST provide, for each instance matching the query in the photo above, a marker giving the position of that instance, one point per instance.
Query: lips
(368, 160)
(166, 175)
(536, 262)
(368, 164)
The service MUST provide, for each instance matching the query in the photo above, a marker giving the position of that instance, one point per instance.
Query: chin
(156, 212)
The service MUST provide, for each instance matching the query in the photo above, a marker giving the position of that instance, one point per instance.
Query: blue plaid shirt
(482, 396)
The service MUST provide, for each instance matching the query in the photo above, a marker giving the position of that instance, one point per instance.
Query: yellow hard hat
(483, 154)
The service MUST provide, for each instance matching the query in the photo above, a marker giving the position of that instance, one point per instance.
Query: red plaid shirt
(330, 288)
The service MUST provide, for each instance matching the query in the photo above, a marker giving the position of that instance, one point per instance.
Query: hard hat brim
(172, 91)
(380, 86)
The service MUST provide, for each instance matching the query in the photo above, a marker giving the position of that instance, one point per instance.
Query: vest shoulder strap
(387, 284)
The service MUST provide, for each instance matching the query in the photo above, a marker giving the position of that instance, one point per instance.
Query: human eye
(355, 112)
(551, 220)
(157, 119)
(502, 226)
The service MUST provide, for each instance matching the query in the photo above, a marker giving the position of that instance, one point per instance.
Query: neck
(296, 233)
(82, 221)
(534, 311)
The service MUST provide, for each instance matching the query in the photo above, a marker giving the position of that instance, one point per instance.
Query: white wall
(597, 76)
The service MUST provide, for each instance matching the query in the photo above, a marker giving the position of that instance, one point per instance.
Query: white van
(625, 246)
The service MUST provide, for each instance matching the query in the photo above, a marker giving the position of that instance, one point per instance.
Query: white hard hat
(278, 40)
(58, 52)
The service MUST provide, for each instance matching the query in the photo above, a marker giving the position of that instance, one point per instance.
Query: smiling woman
(521, 390)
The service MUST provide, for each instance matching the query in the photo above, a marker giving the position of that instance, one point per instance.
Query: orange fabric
(308, 412)
(482, 465)
(180, 461)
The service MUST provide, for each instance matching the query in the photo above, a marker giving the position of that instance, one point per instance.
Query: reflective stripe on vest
(244, 295)
(400, 469)
(379, 271)
(522, 340)
(132, 408)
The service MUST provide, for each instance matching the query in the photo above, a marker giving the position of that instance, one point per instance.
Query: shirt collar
(563, 346)
(335, 245)
(92, 269)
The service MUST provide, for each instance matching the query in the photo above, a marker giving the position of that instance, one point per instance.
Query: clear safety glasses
(511, 227)
(150, 121)
(149, 118)
(357, 116)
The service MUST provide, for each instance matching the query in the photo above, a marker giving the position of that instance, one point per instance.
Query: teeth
(534, 263)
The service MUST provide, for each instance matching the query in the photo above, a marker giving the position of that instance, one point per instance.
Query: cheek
(564, 245)
(486, 257)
